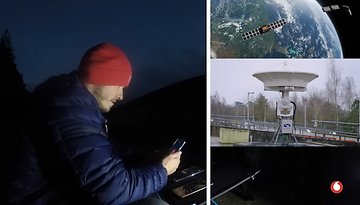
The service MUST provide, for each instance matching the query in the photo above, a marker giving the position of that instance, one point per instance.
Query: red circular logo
(336, 187)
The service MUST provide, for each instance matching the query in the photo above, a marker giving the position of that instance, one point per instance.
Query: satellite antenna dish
(285, 82)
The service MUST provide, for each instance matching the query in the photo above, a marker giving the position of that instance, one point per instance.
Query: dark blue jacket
(69, 158)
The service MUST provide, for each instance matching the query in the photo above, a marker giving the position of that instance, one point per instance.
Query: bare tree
(315, 104)
(215, 103)
(333, 84)
(348, 93)
(219, 106)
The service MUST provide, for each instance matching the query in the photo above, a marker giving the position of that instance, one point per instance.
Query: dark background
(154, 121)
(346, 25)
(144, 129)
(290, 175)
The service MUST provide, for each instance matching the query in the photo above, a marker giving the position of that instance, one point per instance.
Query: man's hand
(171, 162)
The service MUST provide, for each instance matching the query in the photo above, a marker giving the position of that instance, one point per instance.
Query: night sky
(345, 25)
(164, 40)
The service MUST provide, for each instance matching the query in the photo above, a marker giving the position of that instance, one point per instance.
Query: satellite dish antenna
(285, 82)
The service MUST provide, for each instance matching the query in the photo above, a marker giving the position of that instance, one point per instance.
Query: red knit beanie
(105, 64)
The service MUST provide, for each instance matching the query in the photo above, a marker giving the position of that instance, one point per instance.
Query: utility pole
(305, 112)
(248, 107)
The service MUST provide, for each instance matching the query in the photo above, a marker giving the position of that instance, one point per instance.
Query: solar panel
(336, 7)
(263, 29)
(326, 8)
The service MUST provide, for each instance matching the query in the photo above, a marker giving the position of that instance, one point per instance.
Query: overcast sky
(232, 78)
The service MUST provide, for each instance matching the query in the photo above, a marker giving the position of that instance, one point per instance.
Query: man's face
(106, 96)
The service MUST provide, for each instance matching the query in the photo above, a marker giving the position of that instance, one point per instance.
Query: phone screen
(178, 144)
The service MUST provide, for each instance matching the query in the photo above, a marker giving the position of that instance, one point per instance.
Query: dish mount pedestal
(285, 82)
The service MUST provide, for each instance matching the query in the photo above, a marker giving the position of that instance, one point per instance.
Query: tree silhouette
(9, 72)
(14, 97)
(14, 92)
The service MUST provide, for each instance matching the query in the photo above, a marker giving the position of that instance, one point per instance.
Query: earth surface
(309, 32)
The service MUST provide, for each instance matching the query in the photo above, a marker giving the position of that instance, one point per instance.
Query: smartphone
(178, 145)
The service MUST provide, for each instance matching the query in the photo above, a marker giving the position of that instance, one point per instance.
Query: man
(66, 157)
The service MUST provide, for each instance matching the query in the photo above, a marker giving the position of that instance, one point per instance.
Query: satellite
(263, 29)
(336, 7)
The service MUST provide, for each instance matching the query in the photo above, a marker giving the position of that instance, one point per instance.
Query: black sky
(346, 26)
(164, 40)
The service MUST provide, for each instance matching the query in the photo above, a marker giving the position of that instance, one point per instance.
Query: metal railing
(343, 131)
